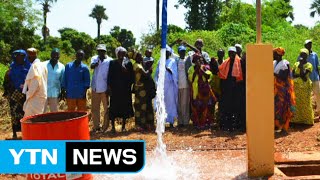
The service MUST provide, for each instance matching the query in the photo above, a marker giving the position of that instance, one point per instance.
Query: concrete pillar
(260, 110)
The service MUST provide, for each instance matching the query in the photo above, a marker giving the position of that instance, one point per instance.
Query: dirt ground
(300, 137)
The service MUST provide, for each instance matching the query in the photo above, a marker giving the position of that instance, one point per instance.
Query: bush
(232, 34)
(3, 70)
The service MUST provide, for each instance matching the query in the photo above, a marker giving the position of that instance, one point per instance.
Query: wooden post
(260, 106)
(258, 7)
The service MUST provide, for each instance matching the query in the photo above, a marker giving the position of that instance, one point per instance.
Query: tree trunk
(99, 32)
(44, 29)
(158, 14)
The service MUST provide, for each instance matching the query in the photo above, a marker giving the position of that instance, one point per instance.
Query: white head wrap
(238, 45)
(120, 49)
(232, 48)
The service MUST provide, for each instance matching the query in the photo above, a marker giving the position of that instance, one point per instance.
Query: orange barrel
(57, 126)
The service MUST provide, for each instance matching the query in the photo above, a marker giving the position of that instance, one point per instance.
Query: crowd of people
(198, 88)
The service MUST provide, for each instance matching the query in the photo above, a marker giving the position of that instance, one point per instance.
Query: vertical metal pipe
(158, 14)
(258, 6)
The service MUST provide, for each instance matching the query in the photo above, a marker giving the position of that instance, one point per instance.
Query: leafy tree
(315, 8)
(238, 12)
(53, 42)
(202, 14)
(110, 42)
(78, 40)
(175, 29)
(18, 20)
(153, 38)
(46, 4)
(98, 13)
(124, 36)
(277, 11)
(300, 26)
(236, 33)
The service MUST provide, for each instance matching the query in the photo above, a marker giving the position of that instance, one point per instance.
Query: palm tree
(315, 7)
(98, 13)
(46, 4)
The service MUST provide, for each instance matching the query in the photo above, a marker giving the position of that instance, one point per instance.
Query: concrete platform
(297, 165)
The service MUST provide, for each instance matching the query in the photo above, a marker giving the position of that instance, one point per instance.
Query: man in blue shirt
(314, 76)
(55, 76)
(76, 82)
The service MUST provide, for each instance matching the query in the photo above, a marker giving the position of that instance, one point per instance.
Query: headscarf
(120, 48)
(125, 59)
(238, 45)
(233, 49)
(304, 50)
(279, 50)
(19, 72)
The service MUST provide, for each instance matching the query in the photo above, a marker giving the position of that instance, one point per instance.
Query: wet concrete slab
(298, 165)
(297, 157)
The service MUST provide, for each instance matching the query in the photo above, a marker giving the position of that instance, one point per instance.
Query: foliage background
(220, 25)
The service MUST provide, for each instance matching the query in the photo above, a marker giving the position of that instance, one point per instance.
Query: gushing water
(188, 164)
(161, 114)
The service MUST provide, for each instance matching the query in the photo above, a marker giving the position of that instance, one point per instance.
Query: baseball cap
(101, 47)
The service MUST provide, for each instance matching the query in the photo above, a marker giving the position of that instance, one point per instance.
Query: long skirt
(284, 102)
(144, 115)
(304, 112)
(16, 101)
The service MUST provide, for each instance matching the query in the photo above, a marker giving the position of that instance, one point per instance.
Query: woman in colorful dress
(13, 84)
(302, 88)
(144, 116)
(284, 98)
(202, 96)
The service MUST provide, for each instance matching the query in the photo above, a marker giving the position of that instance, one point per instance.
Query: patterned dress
(142, 103)
(304, 112)
(13, 83)
(202, 97)
(284, 100)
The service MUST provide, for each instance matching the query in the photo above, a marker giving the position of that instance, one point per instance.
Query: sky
(134, 15)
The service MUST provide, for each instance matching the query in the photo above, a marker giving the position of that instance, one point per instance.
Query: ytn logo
(44, 153)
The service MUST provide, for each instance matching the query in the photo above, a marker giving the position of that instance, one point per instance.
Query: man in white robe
(170, 87)
(35, 86)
